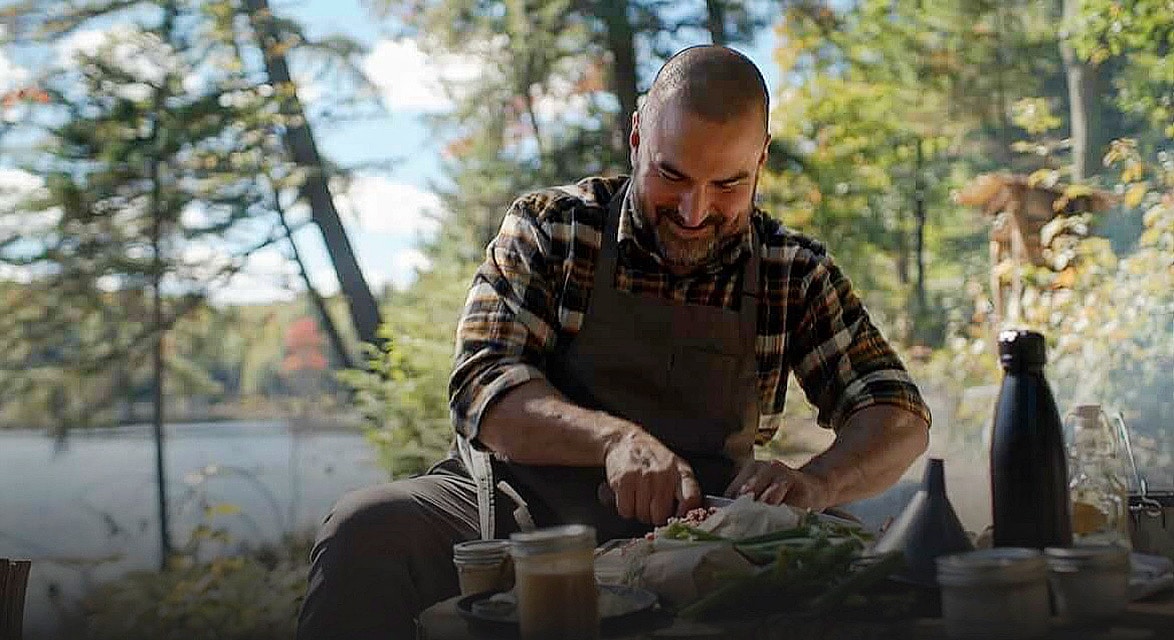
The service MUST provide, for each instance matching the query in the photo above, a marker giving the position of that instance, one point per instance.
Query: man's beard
(688, 254)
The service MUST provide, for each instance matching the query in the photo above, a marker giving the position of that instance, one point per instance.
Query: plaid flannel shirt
(536, 281)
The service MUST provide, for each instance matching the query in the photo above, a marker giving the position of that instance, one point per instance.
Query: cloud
(404, 266)
(15, 186)
(398, 271)
(141, 55)
(15, 273)
(379, 205)
(268, 275)
(412, 80)
(11, 75)
(326, 281)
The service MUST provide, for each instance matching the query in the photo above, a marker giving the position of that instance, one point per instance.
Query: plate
(1150, 574)
(615, 602)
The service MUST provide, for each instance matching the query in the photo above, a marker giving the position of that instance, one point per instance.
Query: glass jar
(1090, 583)
(1096, 478)
(483, 565)
(555, 583)
(994, 593)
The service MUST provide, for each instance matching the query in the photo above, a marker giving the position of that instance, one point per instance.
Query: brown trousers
(384, 554)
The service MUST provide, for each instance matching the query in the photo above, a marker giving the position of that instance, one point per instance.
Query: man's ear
(765, 152)
(634, 136)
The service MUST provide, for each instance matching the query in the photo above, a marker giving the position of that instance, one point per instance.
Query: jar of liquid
(483, 565)
(1097, 484)
(994, 593)
(1090, 583)
(555, 583)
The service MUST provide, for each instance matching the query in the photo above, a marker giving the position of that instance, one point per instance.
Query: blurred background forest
(972, 164)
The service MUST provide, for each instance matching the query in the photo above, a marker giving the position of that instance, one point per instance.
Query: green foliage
(875, 102)
(1112, 329)
(225, 599)
(1141, 34)
(1109, 320)
(221, 361)
(404, 395)
(249, 595)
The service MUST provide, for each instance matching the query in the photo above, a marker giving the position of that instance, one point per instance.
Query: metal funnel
(926, 529)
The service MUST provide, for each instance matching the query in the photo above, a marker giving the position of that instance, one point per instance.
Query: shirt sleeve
(509, 321)
(839, 357)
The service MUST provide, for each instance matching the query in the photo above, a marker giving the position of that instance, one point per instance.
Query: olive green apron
(685, 373)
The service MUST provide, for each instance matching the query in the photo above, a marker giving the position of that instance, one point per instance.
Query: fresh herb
(807, 570)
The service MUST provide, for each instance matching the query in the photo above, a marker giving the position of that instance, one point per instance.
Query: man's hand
(871, 451)
(647, 478)
(775, 483)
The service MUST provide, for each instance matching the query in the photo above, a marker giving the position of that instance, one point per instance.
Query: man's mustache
(674, 215)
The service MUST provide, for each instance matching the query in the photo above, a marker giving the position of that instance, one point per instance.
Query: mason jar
(555, 583)
(1090, 583)
(994, 593)
(483, 565)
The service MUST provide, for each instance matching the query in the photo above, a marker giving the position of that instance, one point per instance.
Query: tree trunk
(621, 43)
(157, 267)
(344, 356)
(1082, 105)
(1004, 153)
(919, 214)
(715, 21)
(303, 150)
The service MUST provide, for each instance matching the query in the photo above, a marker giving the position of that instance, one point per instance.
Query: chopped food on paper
(749, 557)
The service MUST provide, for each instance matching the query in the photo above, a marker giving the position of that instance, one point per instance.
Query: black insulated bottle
(1029, 477)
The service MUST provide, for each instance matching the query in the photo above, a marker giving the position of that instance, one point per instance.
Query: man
(618, 347)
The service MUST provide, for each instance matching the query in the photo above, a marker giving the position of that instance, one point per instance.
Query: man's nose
(694, 206)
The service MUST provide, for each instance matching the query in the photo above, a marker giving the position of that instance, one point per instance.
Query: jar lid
(1092, 556)
(552, 539)
(480, 551)
(1000, 565)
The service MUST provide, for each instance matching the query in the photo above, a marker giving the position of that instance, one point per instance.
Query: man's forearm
(870, 453)
(536, 424)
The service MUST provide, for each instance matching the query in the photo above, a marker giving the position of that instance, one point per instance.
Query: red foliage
(303, 347)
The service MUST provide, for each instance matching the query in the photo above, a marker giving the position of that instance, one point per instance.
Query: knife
(715, 501)
(607, 497)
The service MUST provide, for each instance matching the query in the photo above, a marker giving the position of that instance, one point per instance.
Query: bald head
(710, 81)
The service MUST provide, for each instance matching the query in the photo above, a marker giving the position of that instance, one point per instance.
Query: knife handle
(605, 495)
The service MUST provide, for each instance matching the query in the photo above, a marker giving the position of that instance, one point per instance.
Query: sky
(388, 214)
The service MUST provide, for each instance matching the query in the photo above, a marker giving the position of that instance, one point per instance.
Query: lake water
(85, 509)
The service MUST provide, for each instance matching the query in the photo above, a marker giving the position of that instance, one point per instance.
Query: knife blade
(608, 497)
(715, 501)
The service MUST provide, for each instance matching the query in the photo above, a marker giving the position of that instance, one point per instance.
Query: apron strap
(481, 470)
(749, 302)
(605, 266)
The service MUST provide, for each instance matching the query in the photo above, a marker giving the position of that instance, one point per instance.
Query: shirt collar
(635, 235)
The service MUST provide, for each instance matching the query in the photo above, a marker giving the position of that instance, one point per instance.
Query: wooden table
(1152, 618)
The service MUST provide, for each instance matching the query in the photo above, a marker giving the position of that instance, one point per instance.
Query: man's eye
(728, 186)
(669, 176)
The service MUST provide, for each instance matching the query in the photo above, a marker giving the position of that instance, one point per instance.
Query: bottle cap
(1022, 348)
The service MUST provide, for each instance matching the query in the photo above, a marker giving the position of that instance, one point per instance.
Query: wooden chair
(14, 578)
